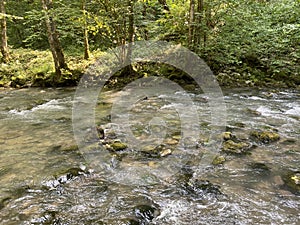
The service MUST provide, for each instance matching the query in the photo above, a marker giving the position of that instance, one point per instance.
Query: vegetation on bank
(249, 43)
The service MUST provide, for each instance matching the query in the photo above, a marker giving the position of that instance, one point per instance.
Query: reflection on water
(44, 179)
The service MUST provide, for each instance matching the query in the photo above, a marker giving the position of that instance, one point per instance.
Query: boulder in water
(265, 136)
(219, 159)
(236, 147)
(146, 213)
(292, 181)
(118, 146)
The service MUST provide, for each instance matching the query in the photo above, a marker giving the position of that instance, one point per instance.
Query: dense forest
(245, 43)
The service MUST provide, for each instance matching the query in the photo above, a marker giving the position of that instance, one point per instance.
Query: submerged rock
(236, 147)
(100, 132)
(4, 201)
(288, 141)
(239, 125)
(292, 181)
(125, 221)
(154, 151)
(146, 213)
(66, 175)
(265, 136)
(253, 112)
(219, 159)
(201, 187)
(260, 168)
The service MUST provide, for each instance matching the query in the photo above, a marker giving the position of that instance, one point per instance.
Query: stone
(146, 213)
(200, 187)
(253, 112)
(265, 136)
(165, 152)
(170, 141)
(100, 132)
(227, 136)
(260, 168)
(219, 159)
(292, 181)
(235, 147)
(118, 146)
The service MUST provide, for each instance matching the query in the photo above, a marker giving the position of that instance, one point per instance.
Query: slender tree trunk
(85, 32)
(191, 23)
(55, 46)
(130, 30)
(200, 34)
(4, 46)
(145, 18)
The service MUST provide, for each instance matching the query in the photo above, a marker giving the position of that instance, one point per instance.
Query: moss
(227, 136)
(218, 160)
(118, 146)
(292, 181)
(35, 68)
(265, 136)
(233, 147)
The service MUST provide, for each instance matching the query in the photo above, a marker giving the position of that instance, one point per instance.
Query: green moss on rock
(233, 147)
(265, 136)
(118, 146)
(292, 181)
(219, 159)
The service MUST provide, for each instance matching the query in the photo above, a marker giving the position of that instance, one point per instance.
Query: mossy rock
(292, 181)
(69, 148)
(69, 174)
(4, 201)
(265, 136)
(219, 159)
(227, 136)
(118, 146)
(190, 87)
(152, 151)
(233, 147)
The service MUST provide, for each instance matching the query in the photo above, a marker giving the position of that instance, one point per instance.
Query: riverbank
(33, 68)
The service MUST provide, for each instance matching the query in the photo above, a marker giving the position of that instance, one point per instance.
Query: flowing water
(38, 151)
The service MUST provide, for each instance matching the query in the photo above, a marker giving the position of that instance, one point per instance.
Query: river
(45, 179)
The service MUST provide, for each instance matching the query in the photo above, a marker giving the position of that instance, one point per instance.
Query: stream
(45, 178)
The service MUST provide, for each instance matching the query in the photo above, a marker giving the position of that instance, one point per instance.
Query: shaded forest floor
(33, 68)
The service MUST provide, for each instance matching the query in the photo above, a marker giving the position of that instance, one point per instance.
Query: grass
(27, 66)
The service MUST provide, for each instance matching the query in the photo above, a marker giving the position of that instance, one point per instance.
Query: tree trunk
(130, 30)
(144, 13)
(164, 4)
(191, 23)
(55, 46)
(200, 34)
(4, 46)
(85, 33)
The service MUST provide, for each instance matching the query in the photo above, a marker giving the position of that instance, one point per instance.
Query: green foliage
(34, 67)
(259, 40)
(246, 42)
